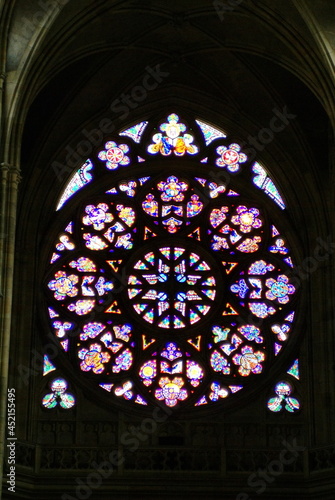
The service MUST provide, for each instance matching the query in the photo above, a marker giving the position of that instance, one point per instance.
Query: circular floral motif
(246, 219)
(114, 155)
(171, 391)
(280, 289)
(64, 285)
(97, 216)
(171, 287)
(93, 359)
(172, 189)
(249, 361)
(230, 157)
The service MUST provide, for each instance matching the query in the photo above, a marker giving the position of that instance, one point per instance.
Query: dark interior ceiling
(232, 70)
(83, 90)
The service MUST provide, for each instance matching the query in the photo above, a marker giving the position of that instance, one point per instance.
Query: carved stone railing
(322, 459)
(294, 459)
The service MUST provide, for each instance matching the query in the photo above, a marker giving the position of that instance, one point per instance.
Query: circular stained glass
(172, 288)
(230, 157)
(114, 155)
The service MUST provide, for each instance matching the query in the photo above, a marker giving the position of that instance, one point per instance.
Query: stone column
(10, 177)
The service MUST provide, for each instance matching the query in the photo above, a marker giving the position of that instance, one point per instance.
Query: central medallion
(172, 287)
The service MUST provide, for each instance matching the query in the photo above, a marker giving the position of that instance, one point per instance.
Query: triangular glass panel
(264, 182)
(52, 313)
(114, 308)
(195, 342)
(202, 401)
(54, 257)
(235, 388)
(143, 180)
(148, 233)
(107, 387)
(48, 367)
(229, 266)
(290, 317)
(275, 231)
(115, 264)
(141, 265)
(288, 261)
(201, 181)
(65, 345)
(195, 234)
(147, 341)
(135, 132)
(210, 133)
(69, 228)
(229, 311)
(294, 370)
(277, 348)
(139, 400)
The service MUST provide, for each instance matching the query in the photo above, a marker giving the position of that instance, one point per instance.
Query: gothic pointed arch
(170, 280)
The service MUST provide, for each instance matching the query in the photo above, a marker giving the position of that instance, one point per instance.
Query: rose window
(172, 285)
(166, 283)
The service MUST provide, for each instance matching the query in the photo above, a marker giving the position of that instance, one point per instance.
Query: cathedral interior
(214, 123)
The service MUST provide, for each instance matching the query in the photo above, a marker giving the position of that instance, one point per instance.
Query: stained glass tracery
(210, 133)
(58, 395)
(173, 139)
(178, 286)
(283, 399)
(171, 287)
(82, 177)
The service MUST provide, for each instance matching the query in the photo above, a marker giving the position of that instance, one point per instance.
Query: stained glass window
(48, 367)
(172, 282)
(78, 180)
(135, 132)
(210, 133)
(58, 395)
(283, 399)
